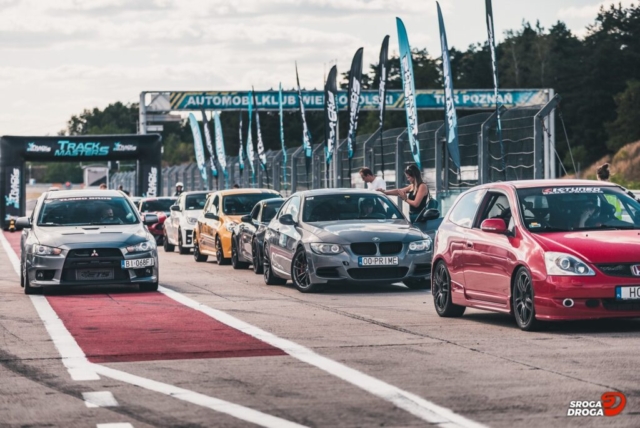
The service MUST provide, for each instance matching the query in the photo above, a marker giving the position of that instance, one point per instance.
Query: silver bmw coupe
(87, 237)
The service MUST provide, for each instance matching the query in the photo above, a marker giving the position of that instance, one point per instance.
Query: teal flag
(197, 143)
(220, 151)
(406, 67)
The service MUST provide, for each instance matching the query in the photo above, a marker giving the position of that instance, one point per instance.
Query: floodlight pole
(142, 113)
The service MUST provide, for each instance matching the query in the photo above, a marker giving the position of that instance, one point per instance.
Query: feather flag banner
(197, 143)
(209, 144)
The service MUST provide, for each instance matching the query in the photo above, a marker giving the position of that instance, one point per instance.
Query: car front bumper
(345, 268)
(593, 297)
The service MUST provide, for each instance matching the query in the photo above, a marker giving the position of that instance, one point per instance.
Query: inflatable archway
(146, 150)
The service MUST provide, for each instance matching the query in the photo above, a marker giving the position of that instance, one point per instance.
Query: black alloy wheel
(219, 254)
(441, 290)
(168, 248)
(258, 268)
(196, 252)
(235, 262)
(181, 249)
(523, 307)
(300, 272)
(269, 277)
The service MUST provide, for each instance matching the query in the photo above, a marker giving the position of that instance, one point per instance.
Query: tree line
(598, 78)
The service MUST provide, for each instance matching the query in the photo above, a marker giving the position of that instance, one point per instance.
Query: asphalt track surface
(217, 347)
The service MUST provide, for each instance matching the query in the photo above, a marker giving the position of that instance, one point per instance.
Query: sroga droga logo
(610, 404)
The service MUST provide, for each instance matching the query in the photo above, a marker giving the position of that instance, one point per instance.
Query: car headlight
(566, 265)
(321, 248)
(43, 250)
(419, 246)
(141, 247)
(192, 220)
(230, 225)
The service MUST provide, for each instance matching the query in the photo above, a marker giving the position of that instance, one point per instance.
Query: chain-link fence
(519, 152)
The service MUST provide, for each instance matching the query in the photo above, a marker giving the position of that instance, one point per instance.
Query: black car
(248, 237)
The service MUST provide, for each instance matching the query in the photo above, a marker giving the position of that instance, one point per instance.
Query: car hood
(192, 213)
(601, 246)
(80, 236)
(345, 232)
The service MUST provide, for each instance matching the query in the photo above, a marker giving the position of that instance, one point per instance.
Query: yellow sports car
(221, 213)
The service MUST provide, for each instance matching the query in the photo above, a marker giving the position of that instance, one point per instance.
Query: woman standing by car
(416, 194)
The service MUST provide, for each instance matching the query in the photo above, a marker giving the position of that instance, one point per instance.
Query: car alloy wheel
(441, 290)
(255, 257)
(219, 254)
(181, 249)
(196, 253)
(269, 277)
(168, 248)
(300, 272)
(235, 262)
(523, 306)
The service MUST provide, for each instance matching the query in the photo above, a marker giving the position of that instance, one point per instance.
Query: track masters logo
(610, 404)
(69, 149)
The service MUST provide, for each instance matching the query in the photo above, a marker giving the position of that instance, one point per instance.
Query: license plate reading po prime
(94, 274)
(628, 293)
(137, 263)
(377, 261)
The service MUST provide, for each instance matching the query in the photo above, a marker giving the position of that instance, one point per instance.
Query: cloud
(590, 11)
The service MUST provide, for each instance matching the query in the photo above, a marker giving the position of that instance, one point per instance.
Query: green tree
(626, 127)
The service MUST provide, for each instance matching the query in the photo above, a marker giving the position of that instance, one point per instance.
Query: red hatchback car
(543, 250)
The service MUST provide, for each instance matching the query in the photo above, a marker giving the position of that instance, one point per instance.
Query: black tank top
(423, 203)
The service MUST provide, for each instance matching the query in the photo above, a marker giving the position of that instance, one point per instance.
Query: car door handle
(469, 244)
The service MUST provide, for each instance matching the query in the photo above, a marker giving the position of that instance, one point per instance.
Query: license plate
(138, 263)
(628, 293)
(94, 274)
(377, 261)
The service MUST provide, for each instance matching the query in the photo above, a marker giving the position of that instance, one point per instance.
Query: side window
(214, 205)
(255, 213)
(283, 208)
(293, 207)
(497, 207)
(464, 211)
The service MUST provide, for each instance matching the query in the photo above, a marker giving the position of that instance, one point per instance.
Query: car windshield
(560, 209)
(195, 202)
(82, 211)
(151, 205)
(270, 210)
(243, 204)
(355, 206)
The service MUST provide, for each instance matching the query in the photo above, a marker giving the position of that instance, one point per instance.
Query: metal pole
(552, 139)
(142, 114)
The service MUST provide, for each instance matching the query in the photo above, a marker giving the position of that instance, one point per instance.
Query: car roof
(526, 184)
(62, 194)
(342, 191)
(155, 198)
(271, 200)
(229, 192)
(197, 192)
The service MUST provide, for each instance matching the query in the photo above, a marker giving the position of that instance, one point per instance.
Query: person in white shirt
(373, 182)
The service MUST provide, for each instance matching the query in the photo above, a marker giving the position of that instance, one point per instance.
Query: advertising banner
(355, 83)
(197, 144)
(406, 70)
(209, 143)
(330, 114)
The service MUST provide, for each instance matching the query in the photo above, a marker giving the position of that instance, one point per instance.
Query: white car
(178, 227)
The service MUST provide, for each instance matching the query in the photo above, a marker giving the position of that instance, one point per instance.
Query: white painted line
(72, 356)
(408, 401)
(76, 362)
(115, 425)
(99, 399)
(232, 409)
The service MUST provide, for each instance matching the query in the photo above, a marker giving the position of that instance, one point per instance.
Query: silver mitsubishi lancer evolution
(87, 237)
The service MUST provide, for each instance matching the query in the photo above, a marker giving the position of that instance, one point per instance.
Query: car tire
(300, 274)
(153, 286)
(522, 301)
(196, 252)
(237, 264)
(270, 278)
(220, 254)
(25, 283)
(258, 266)
(418, 283)
(168, 248)
(181, 249)
(441, 290)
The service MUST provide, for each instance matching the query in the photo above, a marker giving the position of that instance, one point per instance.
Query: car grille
(617, 269)
(81, 259)
(379, 273)
(364, 248)
(620, 306)
(387, 248)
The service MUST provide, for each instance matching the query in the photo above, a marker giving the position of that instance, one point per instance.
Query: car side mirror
(287, 220)
(175, 208)
(246, 219)
(428, 214)
(494, 225)
(150, 219)
(212, 216)
(23, 223)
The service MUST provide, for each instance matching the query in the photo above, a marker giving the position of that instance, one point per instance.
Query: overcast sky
(58, 57)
